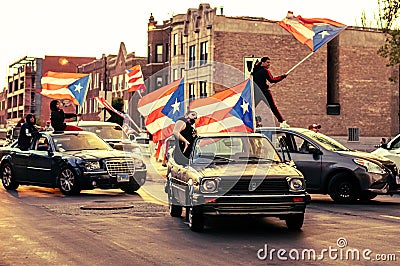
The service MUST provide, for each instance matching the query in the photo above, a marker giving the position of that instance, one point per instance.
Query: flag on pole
(135, 79)
(65, 86)
(230, 110)
(162, 108)
(109, 107)
(313, 32)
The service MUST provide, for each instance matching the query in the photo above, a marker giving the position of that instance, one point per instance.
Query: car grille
(120, 166)
(248, 186)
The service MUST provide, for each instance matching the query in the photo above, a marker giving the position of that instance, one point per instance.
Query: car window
(77, 142)
(42, 144)
(395, 143)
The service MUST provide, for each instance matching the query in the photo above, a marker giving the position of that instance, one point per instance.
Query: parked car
(331, 168)
(110, 132)
(390, 150)
(143, 141)
(71, 161)
(235, 174)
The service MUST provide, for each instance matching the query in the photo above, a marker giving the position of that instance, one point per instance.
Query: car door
(308, 159)
(20, 161)
(39, 167)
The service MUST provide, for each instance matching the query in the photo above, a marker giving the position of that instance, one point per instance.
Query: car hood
(100, 154)
(366, 155)
(227, 170)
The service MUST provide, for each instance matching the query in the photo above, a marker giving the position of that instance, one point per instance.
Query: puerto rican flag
(313, 32)
(135, 79)
(65, 86)
(230, 110)
(162, 108)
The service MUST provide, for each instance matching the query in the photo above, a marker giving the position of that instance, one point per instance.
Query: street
(40, 226)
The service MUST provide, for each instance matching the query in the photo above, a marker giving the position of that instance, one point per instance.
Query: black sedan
(71, 161)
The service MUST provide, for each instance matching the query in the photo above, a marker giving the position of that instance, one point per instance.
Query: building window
(203, 53)
(203, 89)
(192, 95)
(175, 44)
(159, 82)
(148, 54)
(166, 52)
(192, 56)
(159, 53)
(175, 74)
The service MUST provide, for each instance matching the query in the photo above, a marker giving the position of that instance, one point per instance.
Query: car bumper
(265, 205)
(105, 181)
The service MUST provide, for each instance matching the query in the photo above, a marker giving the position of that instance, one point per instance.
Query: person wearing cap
(261, 74)
(314, 127)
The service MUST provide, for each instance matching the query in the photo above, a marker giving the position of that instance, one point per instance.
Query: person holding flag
(184, 133)
(58, 116)
(260, 78)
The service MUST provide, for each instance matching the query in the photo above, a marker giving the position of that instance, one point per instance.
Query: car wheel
(8, 177)
(343, 189)
(68, 182)
(130, 187)
(367, 195)
(195, 218)
(174, 209)
(295, 221)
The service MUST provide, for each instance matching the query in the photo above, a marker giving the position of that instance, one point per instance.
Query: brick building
(344, 86)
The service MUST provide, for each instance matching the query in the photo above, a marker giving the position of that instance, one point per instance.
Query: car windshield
(238, 149)
(106, 131)
(326, 142)
(77, 142)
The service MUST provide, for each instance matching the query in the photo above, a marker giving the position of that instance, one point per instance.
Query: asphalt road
(40, 226)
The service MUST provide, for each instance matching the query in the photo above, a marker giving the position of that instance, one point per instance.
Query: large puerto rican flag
(313, 32)
(65, 86)
(135, 79)
(230, 110)
(162, 108)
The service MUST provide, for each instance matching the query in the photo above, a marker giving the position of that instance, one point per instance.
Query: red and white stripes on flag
(135, 79)
(108, 106)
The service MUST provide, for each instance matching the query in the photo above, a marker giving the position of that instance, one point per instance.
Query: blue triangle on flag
(78, 89)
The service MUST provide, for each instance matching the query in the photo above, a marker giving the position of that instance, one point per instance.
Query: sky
(64, 27)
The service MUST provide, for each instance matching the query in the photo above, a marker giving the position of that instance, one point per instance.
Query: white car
(391, 150)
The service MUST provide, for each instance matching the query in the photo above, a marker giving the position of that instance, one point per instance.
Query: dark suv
(331, 168)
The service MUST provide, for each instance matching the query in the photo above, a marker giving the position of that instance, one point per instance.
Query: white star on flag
(324, 33)
(245, 107)
(78, 88)
(175, 106)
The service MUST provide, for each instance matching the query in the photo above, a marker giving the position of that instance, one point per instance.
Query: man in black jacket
(27, 133)
(262, 74)
(58, 116)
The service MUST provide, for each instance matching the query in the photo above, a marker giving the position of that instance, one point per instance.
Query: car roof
(93, 123)
(230, 134)
(57, 133)
(291, 129)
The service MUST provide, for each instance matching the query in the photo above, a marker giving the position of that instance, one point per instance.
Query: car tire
(343, 189)
(294, 221)
(68, 182)
(131, 187)
(367, 195)
(174, 209)
(8, 177)
(195, 218)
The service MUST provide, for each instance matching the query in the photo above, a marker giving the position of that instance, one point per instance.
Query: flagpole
(253, 104)
(304, 59)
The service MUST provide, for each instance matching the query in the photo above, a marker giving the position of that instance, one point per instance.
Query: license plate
(398, 180)
(122, 177)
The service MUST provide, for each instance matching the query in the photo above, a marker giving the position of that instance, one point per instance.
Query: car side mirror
(314, 150)
(384, 146)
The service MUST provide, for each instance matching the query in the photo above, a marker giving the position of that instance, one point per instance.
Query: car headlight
(92, 165)
(209, 185)
(138, 163)
(295, 184)
(370, 166)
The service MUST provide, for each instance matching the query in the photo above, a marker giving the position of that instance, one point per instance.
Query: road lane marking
(391, 217)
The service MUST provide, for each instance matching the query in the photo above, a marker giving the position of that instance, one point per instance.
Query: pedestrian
(314, 127)
(261, 75)
(58, 116)
(27, 133)
(185, 134)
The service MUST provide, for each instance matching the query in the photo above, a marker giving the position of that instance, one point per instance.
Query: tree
(389, 14)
